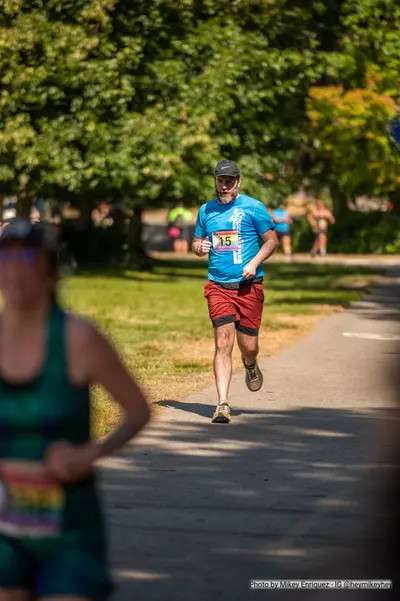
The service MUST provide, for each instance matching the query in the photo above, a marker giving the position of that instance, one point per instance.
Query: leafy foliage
(349, 134)
(110, 98)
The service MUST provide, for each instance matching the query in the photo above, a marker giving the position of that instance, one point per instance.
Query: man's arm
(331, 218)
(311, 219)
(201, 246)
(270, 245)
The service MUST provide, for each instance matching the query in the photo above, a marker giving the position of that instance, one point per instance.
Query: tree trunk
(340, 204)
(395, 200)
(24, 205)
(86, 206)
(136, 255)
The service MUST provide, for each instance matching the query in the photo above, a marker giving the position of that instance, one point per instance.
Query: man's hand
(204, 246)
(250, 270)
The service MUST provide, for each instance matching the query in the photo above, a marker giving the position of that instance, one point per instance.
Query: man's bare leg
(249, 348)
(224, 341)
(287, 246)
(323, 242)
(315, 247)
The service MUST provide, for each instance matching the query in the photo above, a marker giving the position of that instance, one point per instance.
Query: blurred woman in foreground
(52, 542)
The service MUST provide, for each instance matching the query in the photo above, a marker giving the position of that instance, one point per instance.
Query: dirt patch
(200, 353)
(361, 284)
(176, 387)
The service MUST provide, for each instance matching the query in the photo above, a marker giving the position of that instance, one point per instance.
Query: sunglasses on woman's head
(24, 255)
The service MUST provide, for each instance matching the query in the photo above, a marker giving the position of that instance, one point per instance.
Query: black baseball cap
(226, 167)
(39, 235)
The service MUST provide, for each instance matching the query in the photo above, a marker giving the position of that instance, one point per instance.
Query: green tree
(349, 139)
(80, 109)
(114, 99)
(346, 145)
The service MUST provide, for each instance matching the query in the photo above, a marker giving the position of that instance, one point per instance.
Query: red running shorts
(243, 307)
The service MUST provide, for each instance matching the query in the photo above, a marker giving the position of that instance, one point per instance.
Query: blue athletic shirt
(234, 230)
(282, 228)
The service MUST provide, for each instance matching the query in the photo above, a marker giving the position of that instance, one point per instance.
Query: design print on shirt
(236, 220)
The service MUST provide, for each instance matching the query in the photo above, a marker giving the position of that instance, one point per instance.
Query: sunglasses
(23, 255)
(226, 180)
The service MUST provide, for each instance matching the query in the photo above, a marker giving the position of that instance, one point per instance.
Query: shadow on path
(199, 509)
(201, 409)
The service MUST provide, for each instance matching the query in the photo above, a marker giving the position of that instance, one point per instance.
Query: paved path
(196, 510)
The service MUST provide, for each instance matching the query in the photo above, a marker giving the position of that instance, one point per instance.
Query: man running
(283, 224)
(229, 228)
(318, 218)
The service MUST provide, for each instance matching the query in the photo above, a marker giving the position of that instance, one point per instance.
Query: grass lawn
(159, 320)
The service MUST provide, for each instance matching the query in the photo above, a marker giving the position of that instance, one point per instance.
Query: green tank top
(49, 409)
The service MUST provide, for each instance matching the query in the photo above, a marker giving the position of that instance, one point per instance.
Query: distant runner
(229, 229)
(52, 535)
(319, 218)
(283, 225)
(178, 219)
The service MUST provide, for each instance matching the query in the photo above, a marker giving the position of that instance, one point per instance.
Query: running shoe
(222, 414)
(254, 377)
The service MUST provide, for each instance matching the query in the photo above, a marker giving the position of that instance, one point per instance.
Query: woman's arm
(95, 361)
(107, 369)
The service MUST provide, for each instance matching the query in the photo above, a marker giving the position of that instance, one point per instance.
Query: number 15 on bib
(226, 241)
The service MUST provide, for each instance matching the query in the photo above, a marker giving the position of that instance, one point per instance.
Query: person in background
(52, 536)
(101, 215)
(178, 219)
(319, 219)
(35, 215)
(283, 224)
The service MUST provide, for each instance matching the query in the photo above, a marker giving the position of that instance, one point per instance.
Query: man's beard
(226, 199)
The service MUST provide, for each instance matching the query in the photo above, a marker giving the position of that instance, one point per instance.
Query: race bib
(226, 240)
(31, 505)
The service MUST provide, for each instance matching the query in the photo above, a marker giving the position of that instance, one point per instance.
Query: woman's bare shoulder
(82, 332)
(85, 344)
